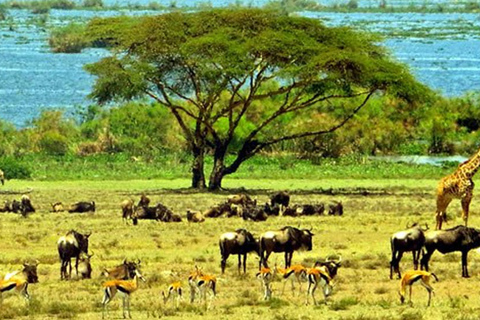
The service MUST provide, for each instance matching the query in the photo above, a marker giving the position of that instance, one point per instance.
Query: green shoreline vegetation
(351, 6)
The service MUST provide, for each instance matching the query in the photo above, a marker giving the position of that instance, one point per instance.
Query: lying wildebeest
(195, 216)
(166, 215)
(288, 239)
(241, 199)
(6, 207)
(411, 239)
(127, 209)
(82, 206)
(144, 201)
(28, 273)
(271, 210)
(71, 246)
(124, 271)
(144, 213)
(239, 242)
(335, 208)
(459, 238)
(218, 210)
(84, 266)
(254, 213)
(57, 207)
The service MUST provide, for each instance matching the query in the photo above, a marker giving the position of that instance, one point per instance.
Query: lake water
(32, 78)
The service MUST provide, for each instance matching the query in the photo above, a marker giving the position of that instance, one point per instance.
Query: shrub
(93, 3)
(68, 39)
(53, 143)
(14, 169)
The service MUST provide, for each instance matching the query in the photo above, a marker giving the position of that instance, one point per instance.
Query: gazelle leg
(410, 295)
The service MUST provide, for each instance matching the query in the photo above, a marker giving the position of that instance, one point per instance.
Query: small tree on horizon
(247, 77)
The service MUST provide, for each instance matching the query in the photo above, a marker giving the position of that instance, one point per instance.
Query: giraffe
(458, 185)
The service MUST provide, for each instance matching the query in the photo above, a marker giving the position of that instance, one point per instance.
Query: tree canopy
(240, 81)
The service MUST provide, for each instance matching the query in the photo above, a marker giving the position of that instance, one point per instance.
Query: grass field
(170, 251)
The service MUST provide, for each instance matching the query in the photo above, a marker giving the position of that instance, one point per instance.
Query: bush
(93, 3)
(14, 169)
(68, 39)
(53, 143)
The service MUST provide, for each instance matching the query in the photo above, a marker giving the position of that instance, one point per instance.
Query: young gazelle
(192, 282)
(175, 292)
(416, 276)
(201, 284)
(296, 272)
(266, 275)
(123, 287)
(15, 284)
(315, 277)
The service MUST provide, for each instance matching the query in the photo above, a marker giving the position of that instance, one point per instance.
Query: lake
(441, 49)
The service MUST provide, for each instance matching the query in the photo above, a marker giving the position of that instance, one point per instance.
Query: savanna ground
(169, 251)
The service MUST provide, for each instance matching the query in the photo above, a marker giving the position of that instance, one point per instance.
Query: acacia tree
(249, 76)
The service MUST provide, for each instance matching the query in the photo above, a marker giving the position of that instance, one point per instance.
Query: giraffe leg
(466, 206)
(441, 213)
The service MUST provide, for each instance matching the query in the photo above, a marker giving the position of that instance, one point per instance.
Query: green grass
(169, 251)
(177, 166)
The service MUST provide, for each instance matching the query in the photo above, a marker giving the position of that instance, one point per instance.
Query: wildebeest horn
(339, 259)
(88, 234)
(125, 261)
(138, 262)
(37, 262)
(426, 226)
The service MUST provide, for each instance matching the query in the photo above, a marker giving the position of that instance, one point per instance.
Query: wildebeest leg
(244, 263)
(464, 264)
(416, 256)
(76, 266)
(288, 258)
(265, 259)
(239, 263)
(397, 263)
(466, 205)
(224, 262)
(425, 259)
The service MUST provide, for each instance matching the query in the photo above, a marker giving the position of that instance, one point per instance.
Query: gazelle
(14, 284)
(416, 276)
(125, 288)
(202, 284)
(318, 276)
(296, 272)
(266, 275)
(174, 291)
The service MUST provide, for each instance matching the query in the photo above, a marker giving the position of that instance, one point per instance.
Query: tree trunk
(198, 173)
(218, 171)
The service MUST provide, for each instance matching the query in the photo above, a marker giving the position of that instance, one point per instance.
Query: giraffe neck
(471, 166)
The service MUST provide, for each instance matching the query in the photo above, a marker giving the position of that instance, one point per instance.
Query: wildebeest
(29, 273)
(240, 242)
(459, 238)
(242, 199)
(144, 213)
(124, 271)
(6, 207)
(288, 239)
(144, 201)
(71, 246)
(82, 206)
(166, 215)
(84, 266)
(218, 210)
(280, 199)
(335, 208)
(408, 240)
(127, 209)
(254, 213)
(195, 216)
(57, 207)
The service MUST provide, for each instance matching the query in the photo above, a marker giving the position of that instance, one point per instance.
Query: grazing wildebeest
(124, 271)
(288, 239)
(411, 239)
(127, 209)
(459, 238)
(70, 246)
(84, 266)
(82, 206)
(239, 242)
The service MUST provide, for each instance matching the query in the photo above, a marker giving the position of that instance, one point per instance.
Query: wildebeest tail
(221, 244)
